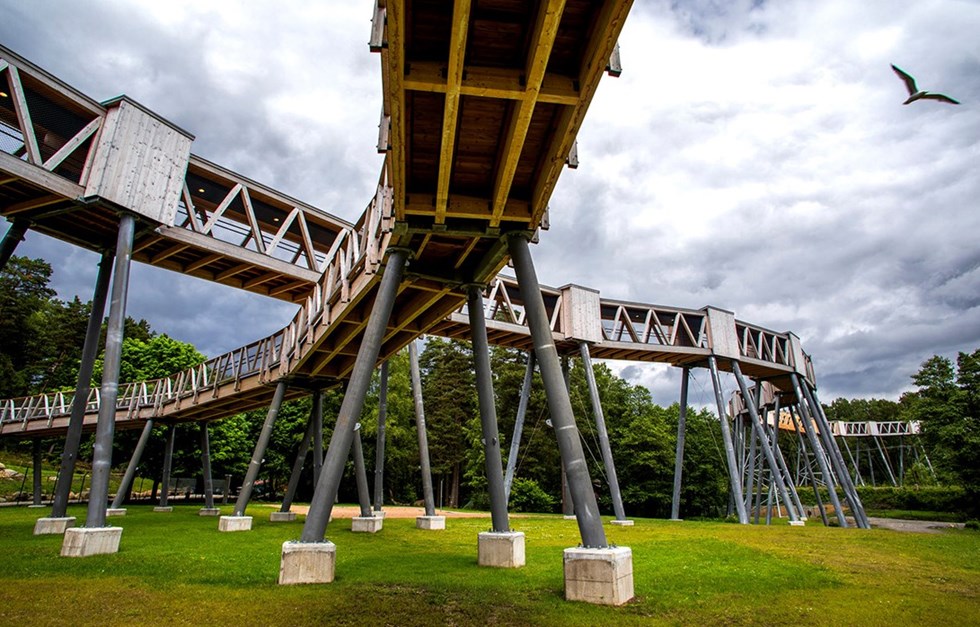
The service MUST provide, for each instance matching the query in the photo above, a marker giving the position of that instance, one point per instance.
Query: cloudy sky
(752, 156)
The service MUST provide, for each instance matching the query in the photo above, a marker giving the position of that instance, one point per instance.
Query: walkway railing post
(675, 502)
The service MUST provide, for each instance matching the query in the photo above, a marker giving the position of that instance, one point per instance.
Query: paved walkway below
(915, 526)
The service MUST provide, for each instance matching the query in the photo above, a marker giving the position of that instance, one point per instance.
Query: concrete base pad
(570, 517)
(379, 513)
(501, 549)
(39, 506)
(676, 519)
(601, 576)
(235, 523)
(366, 524)
(621, 523)
(307, 562)
(163, 509)
(282, 516)
(85, 541)
(209, 511)
(115, 511)
(797, 523)
(53, 526)
(430, 522)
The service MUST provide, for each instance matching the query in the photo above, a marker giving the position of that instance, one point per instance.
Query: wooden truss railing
(872, 428)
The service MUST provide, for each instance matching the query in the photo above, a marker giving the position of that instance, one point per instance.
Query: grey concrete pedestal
(53, 526)
(621, 523)
(115, 511)
(307, 562)
(366, 524)
(86, 541)
(601, 576)
(235, 523)
(282, 516)
(209, 511)
(797, 523)
(433, 523)
(378, 513)
(503, 549)
(163, 510)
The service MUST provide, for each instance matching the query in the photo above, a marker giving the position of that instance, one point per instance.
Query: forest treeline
(40, 348)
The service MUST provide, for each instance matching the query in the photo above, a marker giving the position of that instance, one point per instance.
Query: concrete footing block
(307, 562)
(797, 523)
(209, 511)
(282, 516)
(235, 523)
(570, 517)
(676, 519)
(115, 511)
(163, 510)
(53, 526)
(366, 524)
(379, 513)
(621, 523)
(501, 549)
(32, 506)
(430, 522)
(85, 541)
(600, 576)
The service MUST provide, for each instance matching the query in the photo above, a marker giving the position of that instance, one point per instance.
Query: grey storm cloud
(753, 156)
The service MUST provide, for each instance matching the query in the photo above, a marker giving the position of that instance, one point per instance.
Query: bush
(527, 496)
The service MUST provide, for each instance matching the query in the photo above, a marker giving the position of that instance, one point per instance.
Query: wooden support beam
(489, 82)
(232, 271)
(29, 205)
(450, 112)
(170, 252)
(207, 260)
(23, 116)
(395, 102)
(72, 144)
(38, 176)
(252, 222)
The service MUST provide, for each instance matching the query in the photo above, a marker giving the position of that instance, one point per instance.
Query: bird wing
(908, 80)
(940, 98)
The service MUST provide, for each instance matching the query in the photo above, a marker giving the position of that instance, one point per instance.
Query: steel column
(427, 498)
(257, 456)
(127, 481)
(360, 474)
(748, 475)
(488, 410)
(515, 440)
(350, 409)
(317, 435)
(600, 422)
(84, 385)
(206, 467)
(102, 453)
(168, 460)
(36, 471)
(379, 447)
(562, 416)
(675, 502)
(297, 472)
(818, 452)
(813, 479)
(13, 236)
(726, 436)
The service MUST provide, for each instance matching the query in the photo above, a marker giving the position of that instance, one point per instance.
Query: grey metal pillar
(813, 479)
(563, 419)
(13, 236)
(360, 474)
(884, 460)
(73, 437)
(776, 475)
(818, 452)
(102, 453)
(600, 423)
(567, 502)
(168, 460)
(675, 502)
(782, 460)
(350, 409)
(748, 472)
(726, 435)
(297, 472)
(127, 481)
(488, 410)
(263, 442)
(317, 435)
(427, 498)
(379, 447)
(206, 467)
(515, 440)
(36, 471)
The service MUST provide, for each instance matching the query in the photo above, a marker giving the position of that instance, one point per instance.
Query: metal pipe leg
(102, 454)
(73, 437)
(360, 474)
(317, 435)
(206, 467)
(813, 479)
(726, 435)
(818, 452)
(350, 409)
(36, 471)
(13, 236)
(127, 481)
(297, 472)
(168, 459)
(675, 502)
(749, 470)
(488, 410)
(263, 442)
(569, 442)
(515, 440)
(600, 423)
(379, 450)
(427, 498)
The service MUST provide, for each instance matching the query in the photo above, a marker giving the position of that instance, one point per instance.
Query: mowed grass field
(177, 568)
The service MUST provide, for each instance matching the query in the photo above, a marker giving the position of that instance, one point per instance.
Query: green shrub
(527, 496)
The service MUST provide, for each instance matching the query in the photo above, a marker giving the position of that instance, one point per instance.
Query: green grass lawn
(178, 569)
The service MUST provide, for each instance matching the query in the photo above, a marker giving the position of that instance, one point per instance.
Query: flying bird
(917, 94)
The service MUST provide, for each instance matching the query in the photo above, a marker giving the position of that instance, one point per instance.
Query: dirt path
(915, 526)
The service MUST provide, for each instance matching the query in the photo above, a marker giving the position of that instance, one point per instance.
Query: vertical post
(102, 454)
(488, 411)
(562, 416)
(813, 479)
(360, 474)
(675, 502)
(13, 236)
(884, 459)
(127, 481)
(206, 467)
(748, 470)
(515, 441)
(78, 404)
(317, 435)
(263, 442)
(567, 503)
(36, 471)
(413, 359)
(379, 450)
(777, 476)
(168, 458)
(297, 472)
(604, 447)
(350, 409)
(726, 436)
